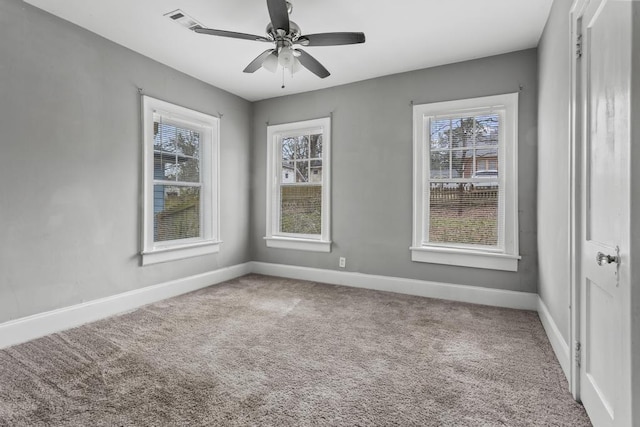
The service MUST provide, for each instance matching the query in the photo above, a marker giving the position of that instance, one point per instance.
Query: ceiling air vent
(183, 19)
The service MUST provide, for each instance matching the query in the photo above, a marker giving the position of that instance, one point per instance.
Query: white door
(604, 246)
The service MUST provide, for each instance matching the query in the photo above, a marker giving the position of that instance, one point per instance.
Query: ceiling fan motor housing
(281, 38)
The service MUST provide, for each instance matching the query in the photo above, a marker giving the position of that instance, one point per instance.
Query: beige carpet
(268, 351)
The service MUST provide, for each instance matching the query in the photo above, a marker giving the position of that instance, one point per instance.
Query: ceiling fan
(285, 34)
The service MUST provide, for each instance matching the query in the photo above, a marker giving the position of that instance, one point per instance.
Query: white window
(180, 182)
(465, 183)
(298, 185)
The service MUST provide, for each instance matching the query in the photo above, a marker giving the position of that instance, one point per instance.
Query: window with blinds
(177, 183)
(465, 196)
(465, 182)
(298, 182)
(181, 189)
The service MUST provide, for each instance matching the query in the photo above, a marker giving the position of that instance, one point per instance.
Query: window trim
(302, 242)
(209, 126)
(460, 255)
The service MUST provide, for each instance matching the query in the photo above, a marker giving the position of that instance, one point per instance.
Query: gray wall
(372, 167)
(554, 67)
(70, 164)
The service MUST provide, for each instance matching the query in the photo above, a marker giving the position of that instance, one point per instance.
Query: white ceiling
(402, 35)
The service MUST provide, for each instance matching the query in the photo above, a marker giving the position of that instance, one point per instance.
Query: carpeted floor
(268, 351)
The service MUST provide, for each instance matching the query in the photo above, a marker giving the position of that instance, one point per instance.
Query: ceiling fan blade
(312, 64)
(330, 39)
(257, 63)
(232, 34)
(279, 14)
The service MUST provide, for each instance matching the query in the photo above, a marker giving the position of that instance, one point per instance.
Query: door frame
(577, 158)
(576, 130)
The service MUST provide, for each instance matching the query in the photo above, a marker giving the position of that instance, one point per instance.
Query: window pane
(486, 164)
(288, 148)
(188, 170)
(164, 166)
(315, 172)
(171, 145)
(440, 165)
(440, 133)
(301, 209)
(176, 212)
(302, 147)
(175, 139)
(164, 137)
(302, 171)
(461, 214)
(462, 132)
(487, 130)
(158, 166)
(288, 173)
(316, 146)
(462, 163)
(187, 142)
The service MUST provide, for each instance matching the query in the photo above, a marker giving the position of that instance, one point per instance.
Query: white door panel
(605, 68)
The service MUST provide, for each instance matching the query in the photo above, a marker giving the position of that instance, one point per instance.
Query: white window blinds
(176, 182)
(465, 197)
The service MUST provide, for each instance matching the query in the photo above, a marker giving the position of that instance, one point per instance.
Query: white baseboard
(31, 327)
(471, 294)
(559, 345)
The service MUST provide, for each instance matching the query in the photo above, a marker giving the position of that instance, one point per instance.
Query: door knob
(602, 259)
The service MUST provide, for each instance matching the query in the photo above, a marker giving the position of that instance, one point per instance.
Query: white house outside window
(298, 185)
(180, 182)
(465, 183)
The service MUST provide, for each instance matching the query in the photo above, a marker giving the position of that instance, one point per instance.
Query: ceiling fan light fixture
(286, 58)
(271, 63)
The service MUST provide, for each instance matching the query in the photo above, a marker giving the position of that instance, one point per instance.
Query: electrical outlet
(343, 262)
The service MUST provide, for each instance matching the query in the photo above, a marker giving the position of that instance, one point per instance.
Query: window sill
(172, 253)
(299, 244)
(465, 258)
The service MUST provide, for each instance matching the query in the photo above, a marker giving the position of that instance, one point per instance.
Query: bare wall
(70, 164)
(554, 153)
(372, 167)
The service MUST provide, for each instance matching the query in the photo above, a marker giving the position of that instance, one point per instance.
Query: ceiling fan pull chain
(282, 77)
